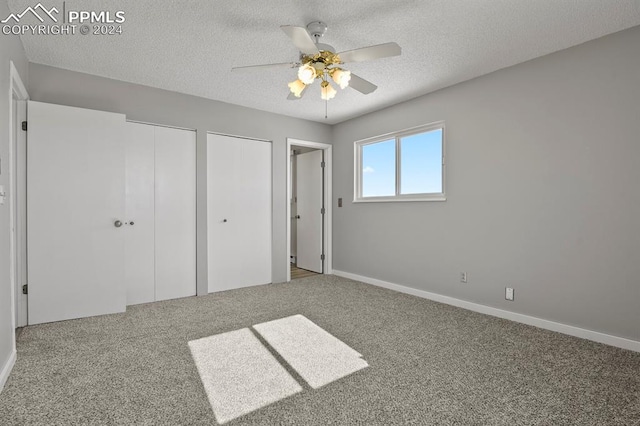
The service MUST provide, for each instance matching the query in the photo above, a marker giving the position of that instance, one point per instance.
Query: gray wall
(142, 103)
(543, 176)
(10, 50)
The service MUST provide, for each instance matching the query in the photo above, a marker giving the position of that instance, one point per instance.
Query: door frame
(328, 185)
(17, 225)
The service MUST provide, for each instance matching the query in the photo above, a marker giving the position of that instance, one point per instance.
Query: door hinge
(322, 257)
(25, 289)
(322, 210)
(24, 126)
(322, 164)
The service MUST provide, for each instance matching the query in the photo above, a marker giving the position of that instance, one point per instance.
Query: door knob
(117, 224)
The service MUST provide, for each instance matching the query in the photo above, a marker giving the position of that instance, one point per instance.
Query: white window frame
(357, 155)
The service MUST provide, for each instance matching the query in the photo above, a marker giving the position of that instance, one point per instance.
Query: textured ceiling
(191, 46)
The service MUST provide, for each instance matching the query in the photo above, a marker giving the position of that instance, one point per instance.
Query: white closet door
(139, 220)
(239, 212)
(175, 213)
(309, 206)
(75, 195)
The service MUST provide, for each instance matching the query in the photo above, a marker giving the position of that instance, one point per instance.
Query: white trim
(6, 369)
(17, 88)
(16, 82)
(160, 125)
(401, 199)
(583, 333)
(328, 186)
(239, 137)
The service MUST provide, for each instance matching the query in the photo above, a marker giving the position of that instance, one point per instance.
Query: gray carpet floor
(429, 363)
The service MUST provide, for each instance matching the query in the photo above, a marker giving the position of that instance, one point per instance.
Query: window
(404, 166)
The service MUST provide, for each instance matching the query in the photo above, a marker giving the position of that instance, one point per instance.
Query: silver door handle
(117, 224)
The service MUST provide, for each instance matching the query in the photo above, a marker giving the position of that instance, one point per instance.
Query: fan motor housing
(317, 29)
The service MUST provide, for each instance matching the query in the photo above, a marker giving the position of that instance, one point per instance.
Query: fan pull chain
(326, 108)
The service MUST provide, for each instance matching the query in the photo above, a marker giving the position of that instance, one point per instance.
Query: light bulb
(327, 91)
(297, 87)
(306, 73)
(341, 77)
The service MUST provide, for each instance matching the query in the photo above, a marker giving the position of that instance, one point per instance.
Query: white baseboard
(595, 336)
(6, 369)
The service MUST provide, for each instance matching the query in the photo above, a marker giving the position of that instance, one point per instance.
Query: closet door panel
(254, 212)
(223, 227)
(139, 220)
(175, 213)
(239, 191)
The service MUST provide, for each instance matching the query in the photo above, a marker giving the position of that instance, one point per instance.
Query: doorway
(16, 196)
(308, 209)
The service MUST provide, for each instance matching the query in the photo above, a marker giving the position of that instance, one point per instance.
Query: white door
(161, 213)
(139, 220)
(175, 213)
(239, 212)
(76, 193)
(309, 211)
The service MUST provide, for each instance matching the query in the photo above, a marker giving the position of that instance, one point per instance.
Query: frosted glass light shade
(296, 88)
(306, 74)
(341, 77)
(327, 91)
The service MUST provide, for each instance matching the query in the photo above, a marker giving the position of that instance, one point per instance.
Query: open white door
(75, 198)
(309, 211)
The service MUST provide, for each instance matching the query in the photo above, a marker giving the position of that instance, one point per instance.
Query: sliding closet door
(139, 222)
(175, 213)
(239, 212)
(76, 202)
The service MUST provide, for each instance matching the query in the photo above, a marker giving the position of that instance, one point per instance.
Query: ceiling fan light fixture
(306, 74)
(341, 77)
(327, 91)
(297, 87)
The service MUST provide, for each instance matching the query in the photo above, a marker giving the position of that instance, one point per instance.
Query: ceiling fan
(320, 61)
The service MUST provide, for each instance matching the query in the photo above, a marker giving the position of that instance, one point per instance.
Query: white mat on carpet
(239, 374)
(316, 355)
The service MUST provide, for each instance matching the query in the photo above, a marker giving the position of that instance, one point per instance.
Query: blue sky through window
(379, 169)
(420, 168)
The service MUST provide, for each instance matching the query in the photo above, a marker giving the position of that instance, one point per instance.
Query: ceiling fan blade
(361, 85)
(301, 38)
(266, 66)
(372, 52)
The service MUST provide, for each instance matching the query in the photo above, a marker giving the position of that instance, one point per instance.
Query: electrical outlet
(508, 293)
(463, 277)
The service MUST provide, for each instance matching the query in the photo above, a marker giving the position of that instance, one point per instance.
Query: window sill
(399, 199)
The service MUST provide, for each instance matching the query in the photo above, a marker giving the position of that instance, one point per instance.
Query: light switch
(2, 194)
(339, 202)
